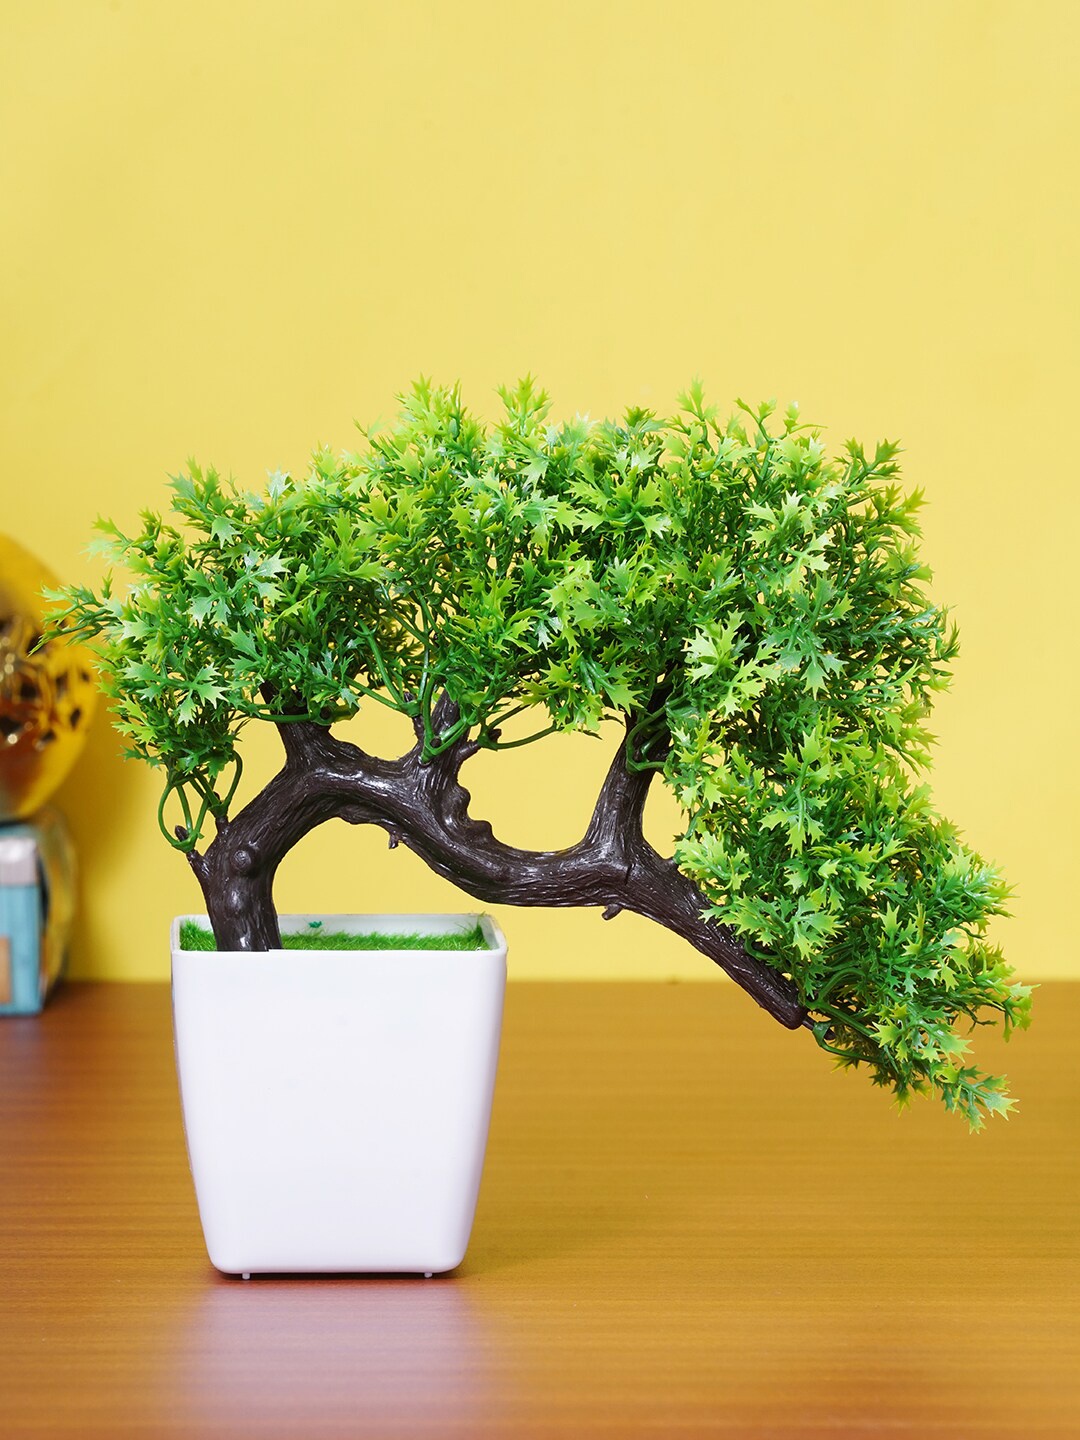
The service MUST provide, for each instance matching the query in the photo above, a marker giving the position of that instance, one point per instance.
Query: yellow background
(232, 228)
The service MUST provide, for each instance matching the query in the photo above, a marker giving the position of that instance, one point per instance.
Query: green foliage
(194, 936)
(755, 609)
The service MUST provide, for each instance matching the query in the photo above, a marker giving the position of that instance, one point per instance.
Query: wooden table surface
(689, 1225)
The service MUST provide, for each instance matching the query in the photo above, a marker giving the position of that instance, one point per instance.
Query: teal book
(37, 899)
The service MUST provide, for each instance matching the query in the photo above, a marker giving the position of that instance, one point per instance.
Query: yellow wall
(232, 228)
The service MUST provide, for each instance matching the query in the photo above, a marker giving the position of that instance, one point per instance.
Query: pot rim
(404, 922)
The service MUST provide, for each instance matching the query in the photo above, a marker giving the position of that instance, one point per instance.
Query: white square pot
(336, 1102)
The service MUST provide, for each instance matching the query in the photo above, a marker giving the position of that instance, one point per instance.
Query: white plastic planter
(336, 1102)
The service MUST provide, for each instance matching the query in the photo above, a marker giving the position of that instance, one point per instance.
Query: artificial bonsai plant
(752, 612)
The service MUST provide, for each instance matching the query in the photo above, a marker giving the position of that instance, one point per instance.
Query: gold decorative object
(47, 694)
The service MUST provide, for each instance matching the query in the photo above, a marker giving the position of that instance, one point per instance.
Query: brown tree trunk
(424, 806)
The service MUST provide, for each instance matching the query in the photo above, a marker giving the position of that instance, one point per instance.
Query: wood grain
(689, 1226)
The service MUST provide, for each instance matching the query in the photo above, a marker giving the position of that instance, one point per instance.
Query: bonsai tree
(751, 611)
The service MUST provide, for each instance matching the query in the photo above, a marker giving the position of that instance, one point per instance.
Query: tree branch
(424, 806)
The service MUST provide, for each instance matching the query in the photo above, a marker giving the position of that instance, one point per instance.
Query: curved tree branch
(424, 805)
